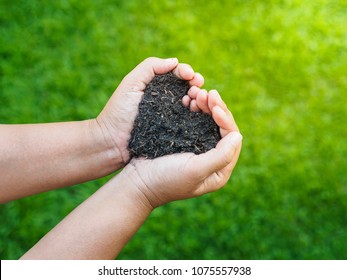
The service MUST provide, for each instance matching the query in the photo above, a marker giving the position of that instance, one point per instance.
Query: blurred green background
(281, 66)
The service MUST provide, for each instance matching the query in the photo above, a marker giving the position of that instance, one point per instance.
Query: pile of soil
(164, 126)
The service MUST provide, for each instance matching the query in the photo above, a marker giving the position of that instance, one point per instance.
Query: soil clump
(164, 126)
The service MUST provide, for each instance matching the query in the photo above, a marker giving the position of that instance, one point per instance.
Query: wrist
(108, 148)
(137, 189)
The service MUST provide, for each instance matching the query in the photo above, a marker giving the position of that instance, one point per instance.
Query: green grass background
(281, 66)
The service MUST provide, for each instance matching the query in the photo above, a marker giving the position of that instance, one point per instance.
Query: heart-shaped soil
(164, 126)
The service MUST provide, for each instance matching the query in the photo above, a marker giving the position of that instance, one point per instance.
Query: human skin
(36, 158)
(101, 226)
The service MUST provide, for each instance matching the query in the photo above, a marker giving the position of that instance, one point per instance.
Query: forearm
(100, 227)
(38, 157)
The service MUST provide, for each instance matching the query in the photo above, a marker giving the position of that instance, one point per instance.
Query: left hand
(117, 118)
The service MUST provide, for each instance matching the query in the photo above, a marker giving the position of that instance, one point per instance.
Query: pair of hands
(177, 176)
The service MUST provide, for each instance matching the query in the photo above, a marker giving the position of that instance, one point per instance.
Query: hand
(117, 118)
(187, 175)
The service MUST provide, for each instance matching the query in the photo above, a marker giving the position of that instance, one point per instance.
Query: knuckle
(222, 179)
(227, 158)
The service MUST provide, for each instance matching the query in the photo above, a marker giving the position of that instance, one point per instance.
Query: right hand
(187, 175)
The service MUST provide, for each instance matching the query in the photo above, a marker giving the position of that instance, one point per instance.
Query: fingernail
(216, 92)
(235, 139)
(173, 60)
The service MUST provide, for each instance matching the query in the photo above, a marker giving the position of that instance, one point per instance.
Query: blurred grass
(281, 67)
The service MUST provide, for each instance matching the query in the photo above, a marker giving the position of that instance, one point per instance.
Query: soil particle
(164, 126)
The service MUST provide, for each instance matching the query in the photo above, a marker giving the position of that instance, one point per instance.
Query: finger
(147, 69)
(217, 180)
(214, 99)
(194, 106)
(219, 157)
(198, 80)
(193, 91)
(225, 173)
(236, 156)
(201, 100)
(184, 72)
(223, 120)
(186, 101)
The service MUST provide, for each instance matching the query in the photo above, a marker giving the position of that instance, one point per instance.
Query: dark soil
(164, 126)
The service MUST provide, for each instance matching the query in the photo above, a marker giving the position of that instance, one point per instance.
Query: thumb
(147, 69)
(219, 157)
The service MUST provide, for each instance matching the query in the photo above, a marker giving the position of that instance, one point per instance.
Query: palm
(119, 114)
(185, 175)
(168, 176)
